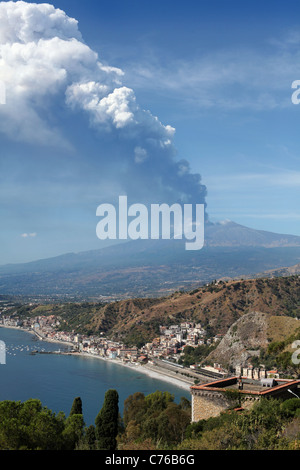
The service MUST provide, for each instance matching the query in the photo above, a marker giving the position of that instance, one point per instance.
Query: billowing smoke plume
(44, 63)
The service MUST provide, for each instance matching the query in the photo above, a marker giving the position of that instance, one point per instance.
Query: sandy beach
(150, 370)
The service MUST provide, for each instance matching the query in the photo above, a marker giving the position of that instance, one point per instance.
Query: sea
(33, 370)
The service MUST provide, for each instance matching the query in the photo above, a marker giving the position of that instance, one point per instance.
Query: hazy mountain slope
(143, 268)
(233, 234)
(280, 272)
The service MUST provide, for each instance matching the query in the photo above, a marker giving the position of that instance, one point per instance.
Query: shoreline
(152, 371)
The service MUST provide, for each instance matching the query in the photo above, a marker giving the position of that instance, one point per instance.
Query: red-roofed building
(210, 399)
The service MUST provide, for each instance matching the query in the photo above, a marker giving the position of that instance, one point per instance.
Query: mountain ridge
(216, 306)
(153, 267)
(219, 234)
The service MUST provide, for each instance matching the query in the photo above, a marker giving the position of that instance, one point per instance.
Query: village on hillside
(168, 346)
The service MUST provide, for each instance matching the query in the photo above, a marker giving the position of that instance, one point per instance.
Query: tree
(107, 422)
(30, 426)
(73, 431)
(158, 401)
(155, 418)
(45, 430)
(90, 437)
(185, 404)
(76, 407)
(134, 408)
(291, 407)
(172, 424)
(88, 440)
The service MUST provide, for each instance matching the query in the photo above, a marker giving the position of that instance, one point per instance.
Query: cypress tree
(107, 422)
(76, 407)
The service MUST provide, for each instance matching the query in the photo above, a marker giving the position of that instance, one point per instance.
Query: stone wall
(207, 404)
(248, 402)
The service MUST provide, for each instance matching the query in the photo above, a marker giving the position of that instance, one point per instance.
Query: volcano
(145, 268)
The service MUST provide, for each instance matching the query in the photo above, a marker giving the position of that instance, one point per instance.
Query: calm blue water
(56, 379)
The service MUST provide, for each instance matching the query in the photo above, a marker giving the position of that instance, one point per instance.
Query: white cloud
(42, 55)
(45, 64)
(29, 235)
(28, 22)
(117, 107)
(140, 155)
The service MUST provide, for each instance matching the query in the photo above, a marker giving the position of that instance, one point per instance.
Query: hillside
(280, 272)
(216, 306)
(251, 337)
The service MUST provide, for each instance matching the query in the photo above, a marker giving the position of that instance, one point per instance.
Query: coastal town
(169, 345)
(162, 354)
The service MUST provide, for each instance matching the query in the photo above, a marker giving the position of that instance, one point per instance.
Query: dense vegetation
(30, 426)
(279, 355)
(153, 422)
(195, 355)
(269, 425)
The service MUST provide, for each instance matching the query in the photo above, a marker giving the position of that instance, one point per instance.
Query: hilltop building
(211, 399)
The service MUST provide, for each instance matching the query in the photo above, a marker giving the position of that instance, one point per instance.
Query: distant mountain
(229, 233)
(153, 267)
(281, 272)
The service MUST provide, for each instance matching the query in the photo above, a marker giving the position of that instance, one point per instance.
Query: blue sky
(186, 89)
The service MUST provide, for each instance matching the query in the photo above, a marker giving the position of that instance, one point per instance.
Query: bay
(56, 379)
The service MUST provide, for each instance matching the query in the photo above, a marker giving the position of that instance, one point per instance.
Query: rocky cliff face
(243, 340)
(251, 333)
